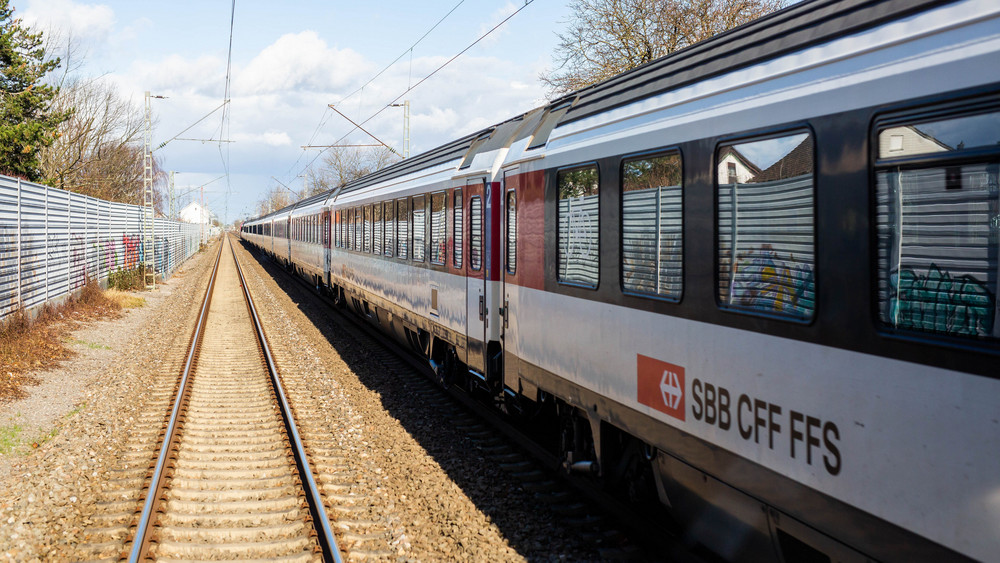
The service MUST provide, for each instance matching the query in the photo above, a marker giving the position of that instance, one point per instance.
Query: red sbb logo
(661, 386)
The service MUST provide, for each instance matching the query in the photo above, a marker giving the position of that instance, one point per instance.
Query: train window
(937, 221)
(359, 230)
(419, 231)
(511, 234)
(766, 241)
(457, 227)
(439, 228)
(476, 233)
(578, 226)
(390, 227)
(652, 247)
(379, 229)
(368, 229)
(349, 229)
(342, 227)
(402, 229)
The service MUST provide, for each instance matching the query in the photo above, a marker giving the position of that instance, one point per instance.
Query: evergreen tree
(27, 122)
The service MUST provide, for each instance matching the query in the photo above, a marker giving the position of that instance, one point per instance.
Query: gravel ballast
(81, 415)
(413, 487)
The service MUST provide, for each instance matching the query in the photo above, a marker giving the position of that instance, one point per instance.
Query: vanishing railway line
(616, 529)
(232, 478)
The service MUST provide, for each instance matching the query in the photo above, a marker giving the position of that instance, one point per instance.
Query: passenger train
(754, 281)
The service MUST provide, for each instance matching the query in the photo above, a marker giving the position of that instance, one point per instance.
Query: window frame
(443, 250)
(413, 227)
(978, 155)
(378, 229)
(753, 137)
(404, 240)
(648, 155)
(457, 227)
(389, 250)
(571, 168)
(510, 239)
(472, 263)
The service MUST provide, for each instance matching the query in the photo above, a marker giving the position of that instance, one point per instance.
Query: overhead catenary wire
(225, 129)
(421, 81)
(403, 54)
(325, 118)
(189, 127)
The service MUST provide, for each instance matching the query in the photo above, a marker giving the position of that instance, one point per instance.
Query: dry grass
(30, 345)
(124, 299)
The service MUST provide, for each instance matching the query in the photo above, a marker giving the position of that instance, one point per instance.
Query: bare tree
(608, 37)
(99, 148)
(342, 165)
(276, 198)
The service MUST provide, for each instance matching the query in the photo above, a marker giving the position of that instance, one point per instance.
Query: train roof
(791, 29)
(448, 152)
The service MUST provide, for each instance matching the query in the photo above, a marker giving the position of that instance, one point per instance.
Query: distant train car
(309, 231)
(755, 280)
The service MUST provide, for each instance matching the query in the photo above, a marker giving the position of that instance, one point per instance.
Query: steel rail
(143, 531)
(321, 523)
(651, 537)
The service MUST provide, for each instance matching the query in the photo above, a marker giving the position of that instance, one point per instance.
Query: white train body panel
(917, 445)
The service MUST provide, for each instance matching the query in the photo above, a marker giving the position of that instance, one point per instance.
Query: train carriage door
(475, 275)
(508, 338)
(327, 240)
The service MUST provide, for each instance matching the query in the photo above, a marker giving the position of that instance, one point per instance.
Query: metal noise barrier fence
(52, 242)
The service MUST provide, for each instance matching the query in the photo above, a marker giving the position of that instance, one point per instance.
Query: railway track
(232, 479)
(616, 530)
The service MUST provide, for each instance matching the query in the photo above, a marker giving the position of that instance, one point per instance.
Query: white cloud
(133, 31)
(177, 75)
(496, 17)
(66, 17)
(299, 61)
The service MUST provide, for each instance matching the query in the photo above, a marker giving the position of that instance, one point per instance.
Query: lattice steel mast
(148, 221)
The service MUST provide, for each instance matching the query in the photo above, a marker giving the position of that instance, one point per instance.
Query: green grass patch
(9, 438)
(91, 345)
(76, 410)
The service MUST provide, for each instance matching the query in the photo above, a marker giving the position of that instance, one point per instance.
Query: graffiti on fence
(937, 302)
(110, 254)
(766, 281)
(133, 251)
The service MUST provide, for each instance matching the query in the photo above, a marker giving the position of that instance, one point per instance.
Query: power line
(177, 136)
(325, 118)
(225, 129)
(409, 50)
(422, 80)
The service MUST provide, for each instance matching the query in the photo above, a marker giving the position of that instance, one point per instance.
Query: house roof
(796, 163)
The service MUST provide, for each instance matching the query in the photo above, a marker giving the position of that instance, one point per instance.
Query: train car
(392, 259)
(769, 264)
(309, 239)
(754, 281)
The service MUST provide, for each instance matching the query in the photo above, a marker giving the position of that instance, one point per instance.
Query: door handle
(482, 307)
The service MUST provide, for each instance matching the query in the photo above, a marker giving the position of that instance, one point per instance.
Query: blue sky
(292, 58)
